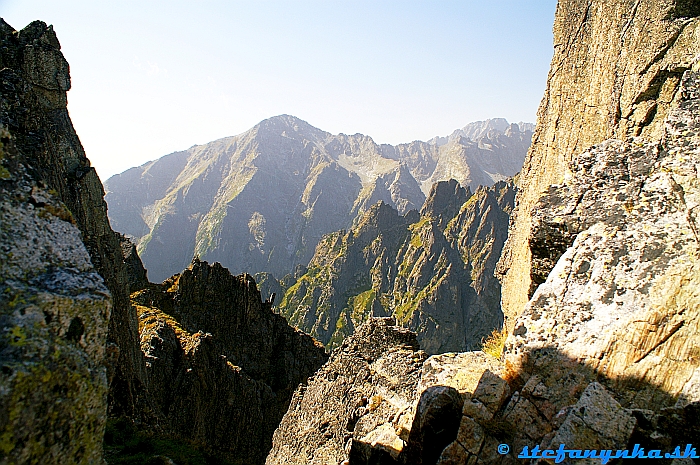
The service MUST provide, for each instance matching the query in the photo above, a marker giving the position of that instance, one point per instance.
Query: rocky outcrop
(615, 74)
(433, 271)
(382, 402)
(136, 273)
(262, 200)
(54, 315)
(632, 268)
(220, 362)
(34, 79)
(359, 401)
(603, 357)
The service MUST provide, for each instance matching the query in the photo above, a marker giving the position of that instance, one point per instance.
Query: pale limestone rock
(470, 436)
(462, 371)
(522, 413)
(615, 73)
(597, 421)
(473, 408)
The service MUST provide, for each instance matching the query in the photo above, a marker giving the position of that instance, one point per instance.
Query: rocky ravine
(432, 271)
(604, 355)
(262, 200)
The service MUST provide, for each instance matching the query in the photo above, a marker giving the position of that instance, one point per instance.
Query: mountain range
(600, 287)
(432, 271)
(261, 201)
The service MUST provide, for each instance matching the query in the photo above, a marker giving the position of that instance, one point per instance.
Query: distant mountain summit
(262, 200)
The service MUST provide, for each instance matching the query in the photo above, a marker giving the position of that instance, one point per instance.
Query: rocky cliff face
(432, 271)
(261, 201)
(628, 213)
(615, 73)
(219, 362)
(604, 354)
(34, 79)
(54, 314)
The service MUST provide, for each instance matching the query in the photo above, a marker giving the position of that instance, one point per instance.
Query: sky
(151, 77)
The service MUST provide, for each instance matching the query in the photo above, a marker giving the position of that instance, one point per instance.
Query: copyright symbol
(503, 449)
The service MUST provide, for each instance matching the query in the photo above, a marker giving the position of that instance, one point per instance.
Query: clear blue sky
(150, 77)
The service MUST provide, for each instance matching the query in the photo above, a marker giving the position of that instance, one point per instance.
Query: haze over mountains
(262, 200)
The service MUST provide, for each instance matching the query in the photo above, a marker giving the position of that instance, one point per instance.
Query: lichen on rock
(34, 79)
(54, 312)
(363, 395)
(615, 73)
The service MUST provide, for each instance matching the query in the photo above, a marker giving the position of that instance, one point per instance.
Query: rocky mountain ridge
(261, 201)
(55, 311)
(432, 271)
(70, 338)
(219, 361)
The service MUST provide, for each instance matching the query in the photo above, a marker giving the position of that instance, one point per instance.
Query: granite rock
(34, 80)
(366, 390)
(615, 73)
(54, 316)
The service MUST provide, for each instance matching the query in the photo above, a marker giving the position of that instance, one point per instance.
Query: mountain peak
(281, 123)
(280, 187)
(445, 199)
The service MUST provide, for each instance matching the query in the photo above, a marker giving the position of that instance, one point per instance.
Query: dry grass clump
(494, 343)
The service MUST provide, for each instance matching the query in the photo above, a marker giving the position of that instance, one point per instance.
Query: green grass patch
(361, 305)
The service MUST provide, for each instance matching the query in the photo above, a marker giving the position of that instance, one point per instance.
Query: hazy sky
(151, 77)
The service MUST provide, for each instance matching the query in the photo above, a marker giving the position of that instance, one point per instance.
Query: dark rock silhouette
(219, 361)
